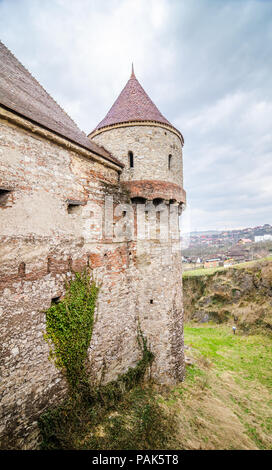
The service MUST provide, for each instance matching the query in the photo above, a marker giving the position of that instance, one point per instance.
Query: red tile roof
(21, 93)
(133, 104)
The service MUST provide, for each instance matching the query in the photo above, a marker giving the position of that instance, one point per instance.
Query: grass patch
(247, 355)
(203, 272)
(236, 397)
(224, 402)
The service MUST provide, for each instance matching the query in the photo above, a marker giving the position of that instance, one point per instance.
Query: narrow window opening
(74, 207)
(157, 201)
(22, 269)
(151, 301)
(138, 200)
(49, 265)
(131, 159)
(169, 162)
(70, 263)
(4, 195)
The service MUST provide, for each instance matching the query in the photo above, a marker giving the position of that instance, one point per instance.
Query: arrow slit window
(169, 162)
(131, 160)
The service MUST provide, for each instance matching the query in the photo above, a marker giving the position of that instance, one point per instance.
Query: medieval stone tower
(109, 202)
(150, 148)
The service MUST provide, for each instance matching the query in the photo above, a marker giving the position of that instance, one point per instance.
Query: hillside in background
(232, 235)
(241, 244)
(239, 295)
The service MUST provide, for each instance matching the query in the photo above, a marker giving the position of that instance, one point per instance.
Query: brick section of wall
(156, 189)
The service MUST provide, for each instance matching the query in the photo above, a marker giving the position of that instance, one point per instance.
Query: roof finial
(132, 72)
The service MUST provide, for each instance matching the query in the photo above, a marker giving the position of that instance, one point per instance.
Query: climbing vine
(113, 391)
(69, 326)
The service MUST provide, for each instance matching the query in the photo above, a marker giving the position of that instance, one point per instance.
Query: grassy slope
(224, 403)
(228, 392)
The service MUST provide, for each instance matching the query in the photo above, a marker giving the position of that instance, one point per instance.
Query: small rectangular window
(49, 264)
(22, 269)
(169, 162)
(4, 196)
(131, 160)
(73, 206)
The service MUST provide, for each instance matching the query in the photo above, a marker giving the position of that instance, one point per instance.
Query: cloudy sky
(207, 65)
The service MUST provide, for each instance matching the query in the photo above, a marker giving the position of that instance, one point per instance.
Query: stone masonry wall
(41, 244)
(43, 241)
(151, 146)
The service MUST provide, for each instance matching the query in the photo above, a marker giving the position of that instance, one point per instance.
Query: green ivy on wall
(69, 326)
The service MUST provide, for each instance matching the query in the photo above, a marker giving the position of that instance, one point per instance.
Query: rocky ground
(240, 296)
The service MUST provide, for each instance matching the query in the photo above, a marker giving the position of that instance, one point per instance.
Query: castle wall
(42, 244)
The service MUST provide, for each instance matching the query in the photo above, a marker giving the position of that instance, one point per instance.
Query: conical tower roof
(133, 104)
